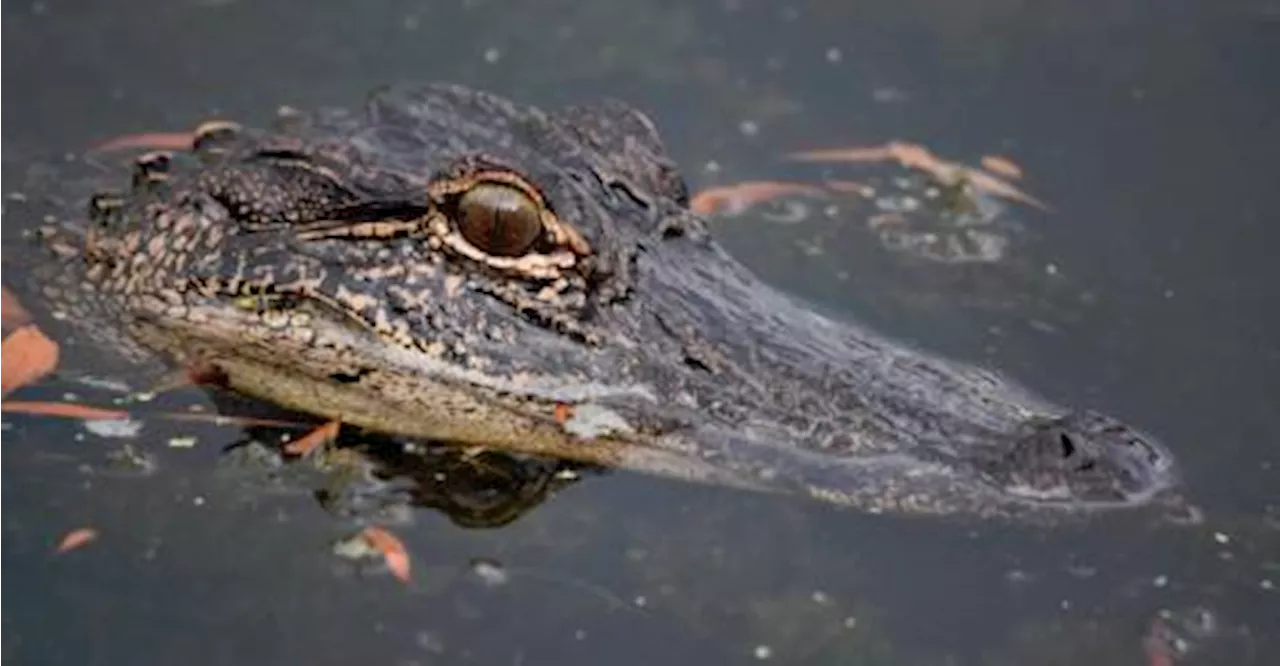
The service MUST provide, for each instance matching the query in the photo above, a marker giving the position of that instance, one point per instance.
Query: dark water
(1147, 292)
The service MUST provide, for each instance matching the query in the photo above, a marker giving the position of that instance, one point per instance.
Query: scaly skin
(322, 265)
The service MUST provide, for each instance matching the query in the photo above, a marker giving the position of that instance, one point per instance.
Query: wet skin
(448, 264)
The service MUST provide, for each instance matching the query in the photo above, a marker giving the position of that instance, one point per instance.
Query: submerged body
(449, 265)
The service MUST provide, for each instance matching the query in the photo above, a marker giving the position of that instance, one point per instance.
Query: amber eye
(499, 219)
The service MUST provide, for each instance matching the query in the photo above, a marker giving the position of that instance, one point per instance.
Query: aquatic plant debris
(1001, 166)
(90, 413)
(75, 539)
(916, 156)
(392, 549)
(145, 141)
(28, 355)
(63, 409)
(734, 199)
(731, 200)
(313, 440)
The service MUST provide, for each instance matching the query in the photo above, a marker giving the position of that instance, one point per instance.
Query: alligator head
(447, 264)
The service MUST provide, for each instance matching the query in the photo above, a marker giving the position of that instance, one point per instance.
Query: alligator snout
(1088, 458)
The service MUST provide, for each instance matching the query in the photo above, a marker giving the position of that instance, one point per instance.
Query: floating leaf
(851, 154)
(146, 141)
(1001, 166)
(89, 413)
(75, 539)
(392, 549)
(733, 199)
(28, 355)
(915, 156)
(309, 442)
(850, 187)
(63, 409)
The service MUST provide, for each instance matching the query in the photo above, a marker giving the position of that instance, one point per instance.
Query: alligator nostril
(1068, 446)
(1086, 457)
(1154, 455)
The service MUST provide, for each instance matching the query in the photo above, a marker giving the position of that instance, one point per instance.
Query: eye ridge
(499, 219)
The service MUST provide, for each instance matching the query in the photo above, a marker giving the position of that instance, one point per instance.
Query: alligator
(446, 264)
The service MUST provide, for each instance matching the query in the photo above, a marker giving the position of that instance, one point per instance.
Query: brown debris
(735, 198)
(73, 410)
(318, 437)
(850, 187)
(69, 410)
(1001, 166)
(916, 156)
(75, 539)
(27, 355)
(392, 549)
(145, 141)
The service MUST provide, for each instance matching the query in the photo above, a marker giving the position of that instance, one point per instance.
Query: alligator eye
(499, 219)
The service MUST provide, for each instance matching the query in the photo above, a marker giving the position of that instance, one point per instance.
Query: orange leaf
(850, 187)
(73, 410)
(999, 188)
(12, 314)
(69, 410)
(27, 356)
(146, 141)
(851, 154)
(733, 199)
(563, 413)
(392, 549)
(75, 539)
(1001, 166)
(314, 439)
(916, 156)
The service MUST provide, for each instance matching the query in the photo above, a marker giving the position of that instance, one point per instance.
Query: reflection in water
(371, 476)
(483, 489)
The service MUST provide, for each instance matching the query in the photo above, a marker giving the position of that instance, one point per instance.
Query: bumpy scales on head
(447, 264)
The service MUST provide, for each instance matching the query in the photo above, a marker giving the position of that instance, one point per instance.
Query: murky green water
(1150, 128)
